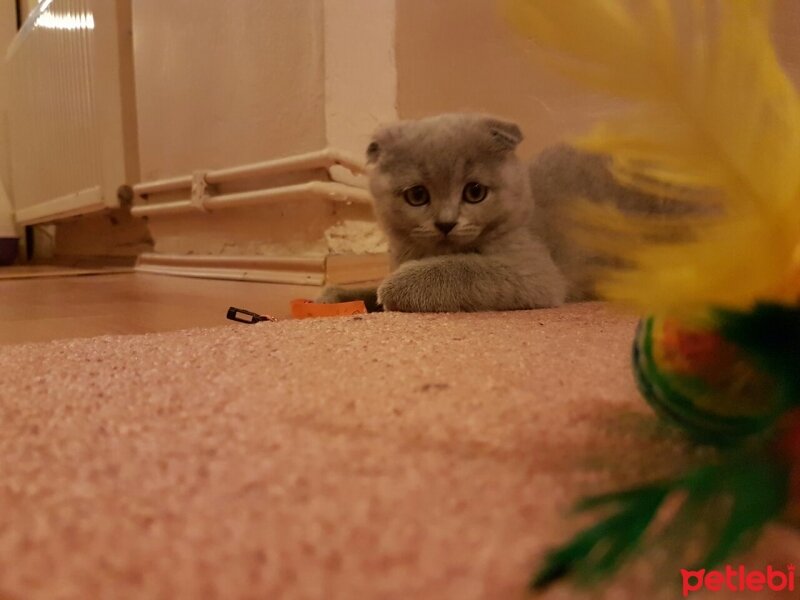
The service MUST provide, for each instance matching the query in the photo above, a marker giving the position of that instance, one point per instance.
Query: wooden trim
(355, 268)
(70, 205)
(43, 271)
(334, 269)
(273, 269)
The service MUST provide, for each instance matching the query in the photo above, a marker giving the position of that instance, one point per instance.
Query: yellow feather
(710, 108)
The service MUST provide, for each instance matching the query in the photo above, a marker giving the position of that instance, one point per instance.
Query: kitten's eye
(417, 195)
(474, 192)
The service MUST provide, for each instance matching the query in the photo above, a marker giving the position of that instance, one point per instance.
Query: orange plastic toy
(304, 309)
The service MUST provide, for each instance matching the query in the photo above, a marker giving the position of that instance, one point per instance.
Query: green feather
(757, 493)
(734, 499)
(599, 550)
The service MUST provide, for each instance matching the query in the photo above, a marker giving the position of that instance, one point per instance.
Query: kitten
(472, 228)
(456, 205)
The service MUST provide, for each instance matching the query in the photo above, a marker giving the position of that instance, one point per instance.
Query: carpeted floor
(388, 456)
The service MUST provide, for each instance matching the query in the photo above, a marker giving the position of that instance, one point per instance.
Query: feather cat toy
(713, 124)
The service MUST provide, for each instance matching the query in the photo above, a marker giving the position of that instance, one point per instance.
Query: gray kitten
(455, 203)
(472, 228)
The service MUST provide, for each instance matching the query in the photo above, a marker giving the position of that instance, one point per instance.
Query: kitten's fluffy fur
(496, 257)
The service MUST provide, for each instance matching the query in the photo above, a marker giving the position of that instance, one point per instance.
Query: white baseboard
(303, 271)
(321, 270)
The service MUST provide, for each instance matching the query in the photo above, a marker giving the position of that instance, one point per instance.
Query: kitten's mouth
(458, 239)
(451, 239)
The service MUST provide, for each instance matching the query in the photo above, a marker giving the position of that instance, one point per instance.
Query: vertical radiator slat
(60, 160)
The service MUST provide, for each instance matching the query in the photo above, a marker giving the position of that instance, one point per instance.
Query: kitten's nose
(445, 227)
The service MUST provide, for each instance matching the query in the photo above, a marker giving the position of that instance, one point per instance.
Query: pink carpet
(389, 456)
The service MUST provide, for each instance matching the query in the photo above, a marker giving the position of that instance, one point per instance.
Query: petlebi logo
(739, 579)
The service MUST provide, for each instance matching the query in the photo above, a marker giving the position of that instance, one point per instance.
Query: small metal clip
(241, 315)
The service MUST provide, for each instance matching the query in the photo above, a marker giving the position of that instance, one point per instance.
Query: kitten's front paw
(393, 294)
(405, 291)
(387, 296)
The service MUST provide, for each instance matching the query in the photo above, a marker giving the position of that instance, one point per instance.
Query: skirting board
(333, 269)
(41, 271)
(273, 269)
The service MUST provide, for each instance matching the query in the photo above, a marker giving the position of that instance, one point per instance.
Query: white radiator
(71, 109)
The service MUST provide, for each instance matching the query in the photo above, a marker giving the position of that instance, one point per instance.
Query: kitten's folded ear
(380, 139)
(373, 152)
(507, 135)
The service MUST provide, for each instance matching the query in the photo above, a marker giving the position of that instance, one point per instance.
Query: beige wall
(459, 55)
(227, 83)
(455, 55)
(360, 70)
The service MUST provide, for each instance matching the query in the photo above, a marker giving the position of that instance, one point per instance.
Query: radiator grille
(57, 137)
